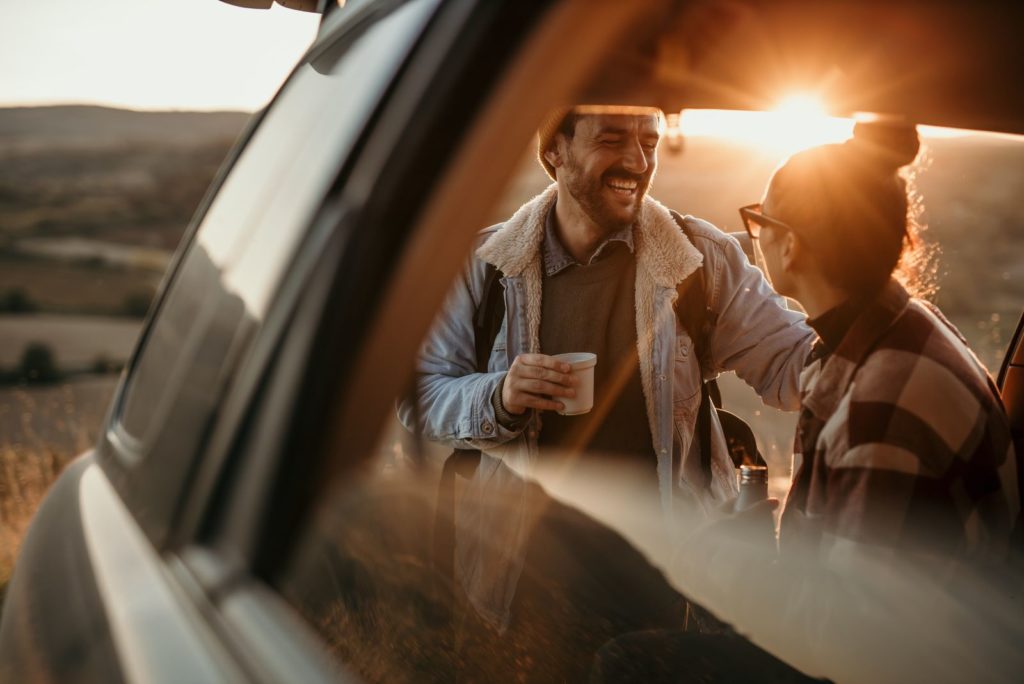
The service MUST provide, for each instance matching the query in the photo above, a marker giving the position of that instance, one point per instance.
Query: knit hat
(546, 133)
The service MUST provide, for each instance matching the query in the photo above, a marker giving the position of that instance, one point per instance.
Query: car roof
(940, 62)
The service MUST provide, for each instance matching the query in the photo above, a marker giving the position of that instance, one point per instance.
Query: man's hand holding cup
(563, 383)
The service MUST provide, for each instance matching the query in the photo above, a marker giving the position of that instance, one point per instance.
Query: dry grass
(25, 478)
(41, 431)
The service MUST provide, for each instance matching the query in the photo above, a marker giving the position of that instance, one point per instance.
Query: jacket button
(664, 450)
(487, 427)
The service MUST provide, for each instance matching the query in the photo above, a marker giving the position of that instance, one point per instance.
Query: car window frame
(262, 519)
(118, 452)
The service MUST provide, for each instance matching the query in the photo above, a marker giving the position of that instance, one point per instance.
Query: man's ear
(554, 155)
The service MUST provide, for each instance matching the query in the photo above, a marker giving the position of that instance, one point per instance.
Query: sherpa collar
(663, 250)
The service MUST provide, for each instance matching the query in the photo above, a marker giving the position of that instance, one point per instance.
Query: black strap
(697, 318)
(487, 321)
(464, 462)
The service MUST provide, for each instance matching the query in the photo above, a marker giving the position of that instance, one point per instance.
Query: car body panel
(100, 605)
(156, 637)
(54, 624)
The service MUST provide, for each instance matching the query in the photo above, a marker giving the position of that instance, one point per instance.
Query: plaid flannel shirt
(893, 543)
(902, 443)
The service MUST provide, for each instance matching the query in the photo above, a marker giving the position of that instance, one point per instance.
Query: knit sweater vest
(591, 309)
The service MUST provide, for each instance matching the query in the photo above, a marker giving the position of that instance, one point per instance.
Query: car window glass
(252, 227)
(564, 565)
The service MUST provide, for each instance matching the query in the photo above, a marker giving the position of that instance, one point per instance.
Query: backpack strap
(697, 318)
(488, 317)
(693, 311)
(486, 324)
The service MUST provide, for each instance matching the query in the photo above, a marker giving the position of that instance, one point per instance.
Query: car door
(401, 223)
(97, 594)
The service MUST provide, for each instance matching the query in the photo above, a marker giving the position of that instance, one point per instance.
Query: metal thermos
(753, 486)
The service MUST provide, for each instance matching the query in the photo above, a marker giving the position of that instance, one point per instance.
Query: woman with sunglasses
(904, 498)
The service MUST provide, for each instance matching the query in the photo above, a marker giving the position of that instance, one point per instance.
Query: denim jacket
(753, 334)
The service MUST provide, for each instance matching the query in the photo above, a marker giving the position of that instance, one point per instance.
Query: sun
(801, 106)
(798, 121)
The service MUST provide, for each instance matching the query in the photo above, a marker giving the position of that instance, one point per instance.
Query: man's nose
(634, 160)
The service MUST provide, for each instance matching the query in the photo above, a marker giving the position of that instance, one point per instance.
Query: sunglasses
(754, 219)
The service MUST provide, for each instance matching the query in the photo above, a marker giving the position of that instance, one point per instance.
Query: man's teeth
(623, 186)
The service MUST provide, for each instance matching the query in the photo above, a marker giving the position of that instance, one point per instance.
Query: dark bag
(486, 324)
(697, 319)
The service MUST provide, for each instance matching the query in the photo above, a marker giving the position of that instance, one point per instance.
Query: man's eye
(611, 141)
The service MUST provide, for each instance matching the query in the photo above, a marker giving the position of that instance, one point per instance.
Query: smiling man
(594, 264)
(602, 166)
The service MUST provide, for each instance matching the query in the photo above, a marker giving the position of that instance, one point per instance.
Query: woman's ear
(791, 251)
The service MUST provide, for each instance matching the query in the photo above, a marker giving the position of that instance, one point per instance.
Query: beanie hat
(546, 133)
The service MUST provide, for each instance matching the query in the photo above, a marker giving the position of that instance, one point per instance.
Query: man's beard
(589, 193)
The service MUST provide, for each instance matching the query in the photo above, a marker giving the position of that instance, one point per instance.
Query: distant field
(96, 252)
(94, 200)
(133, 178)
(59, 286)
(74, 340)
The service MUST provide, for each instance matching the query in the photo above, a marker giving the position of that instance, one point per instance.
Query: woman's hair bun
(889, 144)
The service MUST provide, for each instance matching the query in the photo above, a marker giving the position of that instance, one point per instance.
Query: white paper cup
(583, 368)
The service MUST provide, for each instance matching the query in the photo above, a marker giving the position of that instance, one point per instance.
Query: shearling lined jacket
(902, 442)
(753, 334)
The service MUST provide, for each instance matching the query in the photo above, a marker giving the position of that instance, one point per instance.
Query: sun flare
(798, 121)
(801, 105)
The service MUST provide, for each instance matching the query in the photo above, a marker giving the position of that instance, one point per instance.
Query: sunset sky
(147, 54)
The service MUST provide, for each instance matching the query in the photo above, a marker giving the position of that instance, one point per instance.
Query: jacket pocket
(686, 375)
(498, 360)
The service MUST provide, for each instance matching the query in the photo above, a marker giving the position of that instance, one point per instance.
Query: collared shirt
(558, 258)
(832, 327)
